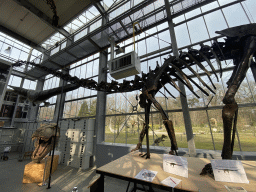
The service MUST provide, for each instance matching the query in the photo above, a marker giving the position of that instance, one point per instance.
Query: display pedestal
(37, 172)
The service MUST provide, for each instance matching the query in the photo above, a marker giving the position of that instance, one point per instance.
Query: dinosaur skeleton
(44, 140)
(240, 46)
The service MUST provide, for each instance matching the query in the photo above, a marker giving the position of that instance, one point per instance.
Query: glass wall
(124, 123)
(124, 116)
(82, 102)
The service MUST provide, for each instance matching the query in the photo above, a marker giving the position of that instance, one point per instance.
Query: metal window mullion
(73, 90)
(115, 122)
(250, 88)
(249, 13)
(19, 54)
(238, 138)
(70, 107)
(245, 13)
(92, 75)
(125, 119)
(186, 25)
(205, 24)
(152, 123)
(76, 108)
(85, 77)
(207, 114)
(160, 60)
(222, 83)
(223, 14)
(2, 45)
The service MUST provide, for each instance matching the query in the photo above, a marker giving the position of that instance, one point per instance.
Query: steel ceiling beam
(22, 39)
(71, 54)
(54, 63)
(42, 16)
(121, 23)
(95, 44)
(100, 8)
(118, 19)
(23, 75)
(104, 14)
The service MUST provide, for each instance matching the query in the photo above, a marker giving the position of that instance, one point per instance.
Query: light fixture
(8, 50)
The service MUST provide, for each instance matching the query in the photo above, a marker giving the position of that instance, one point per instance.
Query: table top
(131, 164)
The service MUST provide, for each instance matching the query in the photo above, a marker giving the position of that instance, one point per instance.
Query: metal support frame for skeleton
(240, 46)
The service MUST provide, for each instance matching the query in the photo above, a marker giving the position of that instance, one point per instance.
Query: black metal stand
(135, 187)
(54, 140)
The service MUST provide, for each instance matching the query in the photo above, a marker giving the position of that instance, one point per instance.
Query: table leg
(98, 185)
(134, 189)
(128, 186)
(150, 189)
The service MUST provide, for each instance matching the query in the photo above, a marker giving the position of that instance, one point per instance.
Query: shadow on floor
(65, 177)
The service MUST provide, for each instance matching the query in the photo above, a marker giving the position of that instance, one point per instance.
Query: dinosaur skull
(44, 140)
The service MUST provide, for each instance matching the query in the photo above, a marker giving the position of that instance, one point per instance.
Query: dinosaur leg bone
(228, 113)
(170, 130)
(168, 125)
(144, 131)
(230, 108)
(142, 135)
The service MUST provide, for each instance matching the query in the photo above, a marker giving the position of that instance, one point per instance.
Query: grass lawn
(203, 139)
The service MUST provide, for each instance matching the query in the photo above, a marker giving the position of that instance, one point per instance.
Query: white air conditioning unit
(124, 66)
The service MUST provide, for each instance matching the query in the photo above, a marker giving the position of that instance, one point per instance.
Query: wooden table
(128, 166)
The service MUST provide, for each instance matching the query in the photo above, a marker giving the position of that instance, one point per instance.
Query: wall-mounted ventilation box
(124, 66)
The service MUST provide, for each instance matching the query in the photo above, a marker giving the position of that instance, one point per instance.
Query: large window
(124, 117)
(123, 124)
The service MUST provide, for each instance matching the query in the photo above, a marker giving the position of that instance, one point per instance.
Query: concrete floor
(65, 177)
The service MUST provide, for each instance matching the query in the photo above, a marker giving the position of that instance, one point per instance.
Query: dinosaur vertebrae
(112, 87)
(170, 71)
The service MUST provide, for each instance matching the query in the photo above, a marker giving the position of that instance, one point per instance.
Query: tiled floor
(65, 178)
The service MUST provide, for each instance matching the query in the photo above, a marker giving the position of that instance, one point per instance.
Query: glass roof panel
(73, 26)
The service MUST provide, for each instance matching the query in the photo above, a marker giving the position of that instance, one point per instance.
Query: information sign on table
(175, 165)
(171, 181)
(146, 175)
(229, 171)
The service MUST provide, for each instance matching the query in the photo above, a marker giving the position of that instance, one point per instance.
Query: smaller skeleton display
(159, 140)
(172, 164)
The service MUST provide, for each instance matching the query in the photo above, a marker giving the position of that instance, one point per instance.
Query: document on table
(146, 175)
(175, 165)
(229, 171)
(171, 181)
(235, 189)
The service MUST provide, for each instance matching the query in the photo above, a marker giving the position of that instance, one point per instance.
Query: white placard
(235, 189)
(146, 175)
(171, 181)
(229, 171)
(175, 165)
